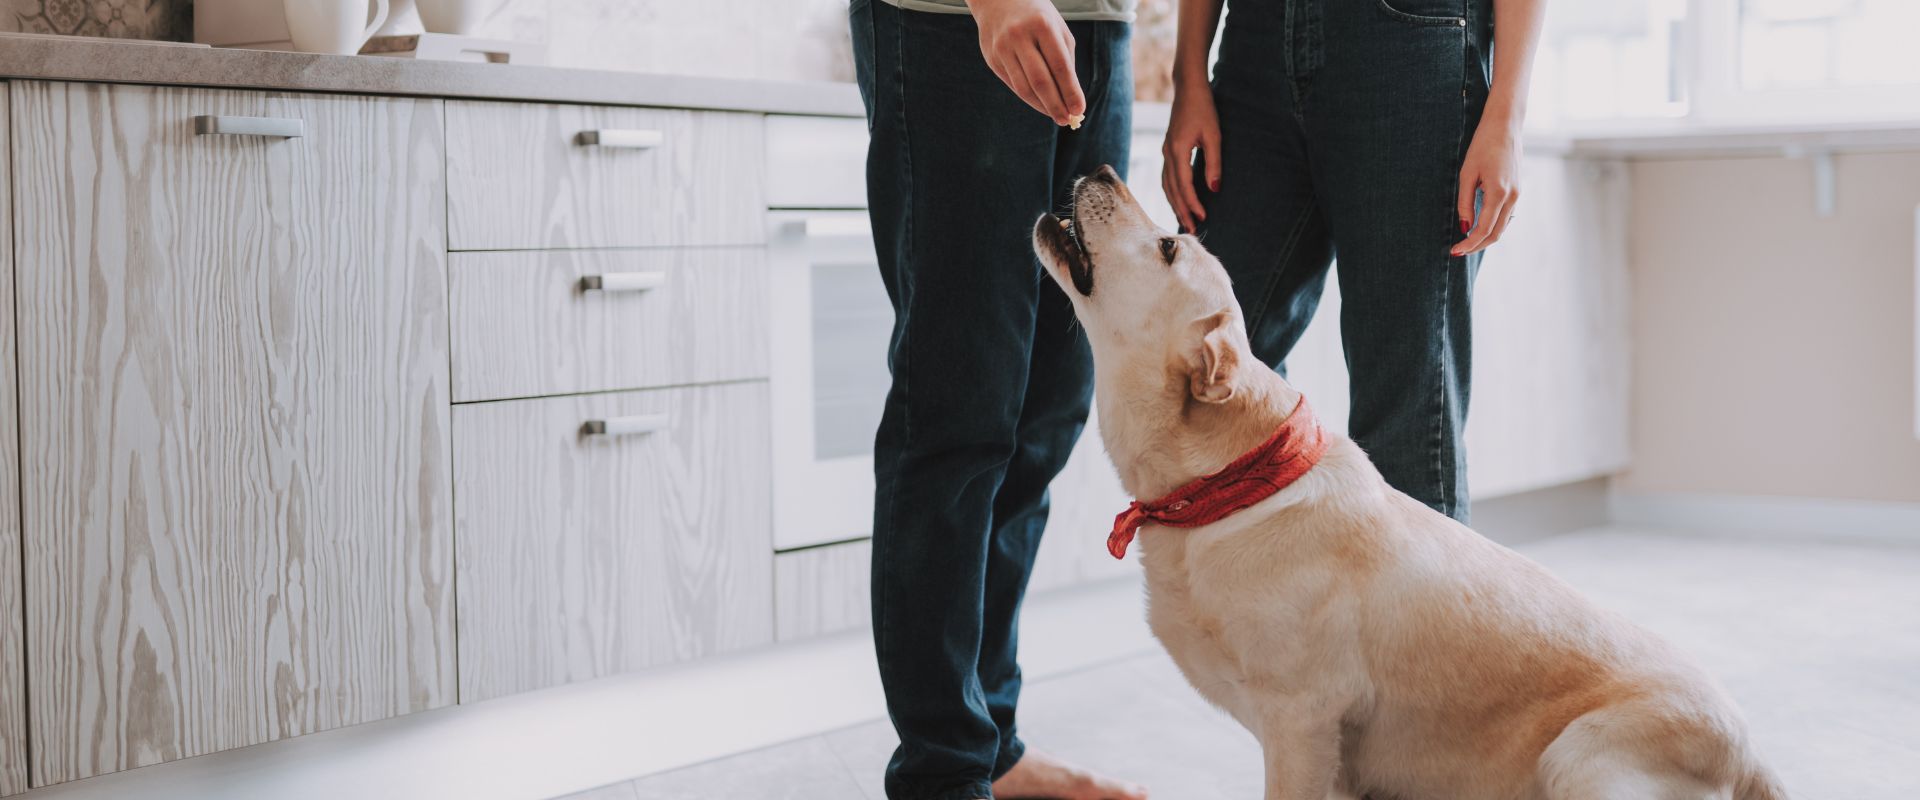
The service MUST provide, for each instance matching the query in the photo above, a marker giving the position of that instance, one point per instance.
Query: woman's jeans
(1343, 125)
(991, 375)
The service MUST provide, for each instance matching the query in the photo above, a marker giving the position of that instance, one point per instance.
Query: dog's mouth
(1062, 236)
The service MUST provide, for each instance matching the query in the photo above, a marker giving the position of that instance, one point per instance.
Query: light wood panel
(233, 368)
(523, 326)
(13, 733)
(521, 179)
(581, 556)
(822, 590)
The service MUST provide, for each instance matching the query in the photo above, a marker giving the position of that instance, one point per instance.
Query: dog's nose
(1105, 174)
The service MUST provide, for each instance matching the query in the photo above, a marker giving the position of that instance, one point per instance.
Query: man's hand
(1028, 45)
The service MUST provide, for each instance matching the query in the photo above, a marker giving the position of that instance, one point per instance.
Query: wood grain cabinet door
(13, 733)
(585, 554)
(234, 394)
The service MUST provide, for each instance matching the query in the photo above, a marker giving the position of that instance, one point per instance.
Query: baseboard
(1769, 515)
(1540, 513)
(557, 741)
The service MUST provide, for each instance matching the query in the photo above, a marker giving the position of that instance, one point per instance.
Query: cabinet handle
(628, 138)
(209, 125)
(626, 426)
(623, 281)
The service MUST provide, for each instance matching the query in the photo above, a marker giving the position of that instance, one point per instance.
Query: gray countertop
(54, 58)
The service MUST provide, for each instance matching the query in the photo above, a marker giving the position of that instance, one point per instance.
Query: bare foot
(1039, 775)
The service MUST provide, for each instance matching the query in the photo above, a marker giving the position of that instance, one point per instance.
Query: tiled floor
(1820, 643)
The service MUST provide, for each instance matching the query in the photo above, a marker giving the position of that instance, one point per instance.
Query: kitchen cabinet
(233, 371)
(822, 589)
(525, 176)
(609, 532)
(13, 734)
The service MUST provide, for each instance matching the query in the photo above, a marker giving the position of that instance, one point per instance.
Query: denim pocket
(1387, 7)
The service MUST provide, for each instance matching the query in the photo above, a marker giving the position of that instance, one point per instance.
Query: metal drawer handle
(210, 125)
(626, 426)
(623, 281)
(629, 138)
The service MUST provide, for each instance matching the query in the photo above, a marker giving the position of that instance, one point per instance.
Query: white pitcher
(332, 26)
(458, 16)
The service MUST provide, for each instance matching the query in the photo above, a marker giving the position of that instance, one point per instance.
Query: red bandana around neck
(1253, 477)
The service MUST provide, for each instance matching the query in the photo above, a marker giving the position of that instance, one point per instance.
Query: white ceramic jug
(339, 27)
(457, 16)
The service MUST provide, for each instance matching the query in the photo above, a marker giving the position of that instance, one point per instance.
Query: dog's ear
(1214, 362)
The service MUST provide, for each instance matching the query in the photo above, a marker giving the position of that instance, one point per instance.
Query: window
(1728, 60)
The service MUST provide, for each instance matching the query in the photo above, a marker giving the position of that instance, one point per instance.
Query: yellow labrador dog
(1375, 647)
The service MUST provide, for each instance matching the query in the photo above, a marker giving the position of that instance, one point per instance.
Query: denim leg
(1059, 383)
(958, 169)
(1265, 224)
(1391, 114)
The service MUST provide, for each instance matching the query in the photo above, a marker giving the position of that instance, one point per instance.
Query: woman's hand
(1028, 45)
(1492, 167)
(1195, 125)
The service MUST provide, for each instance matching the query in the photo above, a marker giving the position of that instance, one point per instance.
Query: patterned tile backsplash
(786, 39)
(125, 19)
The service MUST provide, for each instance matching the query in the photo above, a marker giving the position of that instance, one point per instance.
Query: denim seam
(883, 630)
(1417, 19)
(1280, 269)
(1443, 418)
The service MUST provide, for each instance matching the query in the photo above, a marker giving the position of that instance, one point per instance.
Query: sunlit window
(1788, 44)
(1611, 58)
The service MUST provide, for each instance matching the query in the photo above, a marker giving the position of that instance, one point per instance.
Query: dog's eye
(1168, 248)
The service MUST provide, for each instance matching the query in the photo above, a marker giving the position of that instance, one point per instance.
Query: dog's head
(1149, 299)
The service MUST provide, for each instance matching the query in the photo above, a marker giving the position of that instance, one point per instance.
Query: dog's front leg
(1302, 757)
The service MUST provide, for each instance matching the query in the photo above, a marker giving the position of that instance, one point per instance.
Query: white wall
(1773, 348)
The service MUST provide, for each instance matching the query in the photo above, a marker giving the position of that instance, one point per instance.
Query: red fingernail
(1465, 226)
(1214, 185)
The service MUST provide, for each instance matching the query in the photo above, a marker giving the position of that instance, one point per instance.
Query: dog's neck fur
(1171, 438)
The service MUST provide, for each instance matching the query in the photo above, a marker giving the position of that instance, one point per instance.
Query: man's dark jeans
(991, 375)
(1343, 127)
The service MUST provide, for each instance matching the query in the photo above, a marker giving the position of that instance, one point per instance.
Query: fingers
(1015, 78)
(1505, 219)
(1187, 191)
(1058, 54)
(1210, 153)
(1497, 202)
(1179, 204)
(1178, 183)
(1045, 89)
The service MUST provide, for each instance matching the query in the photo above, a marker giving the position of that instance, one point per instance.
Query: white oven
(831, 321)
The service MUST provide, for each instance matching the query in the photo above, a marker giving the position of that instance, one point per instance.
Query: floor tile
(618, 791)
(804, 770)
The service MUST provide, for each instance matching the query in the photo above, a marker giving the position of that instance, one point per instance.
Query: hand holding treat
(1030, 49)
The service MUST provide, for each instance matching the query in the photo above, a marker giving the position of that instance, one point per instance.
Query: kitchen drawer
(522, 176)
(816, 162)
(581, 555)
(526, 323)
(822, 590)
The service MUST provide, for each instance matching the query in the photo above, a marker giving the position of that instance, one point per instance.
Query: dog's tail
(1758, 783)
